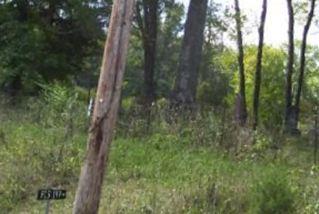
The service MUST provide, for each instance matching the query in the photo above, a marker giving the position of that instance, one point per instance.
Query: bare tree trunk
(148, 28)
(184, 93)
(241, 109)
(105, 110)
(303, 58)
(259, 64)
(289, 111)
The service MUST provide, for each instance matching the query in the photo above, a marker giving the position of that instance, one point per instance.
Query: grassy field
(165, 172)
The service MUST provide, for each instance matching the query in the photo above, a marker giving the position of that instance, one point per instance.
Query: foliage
(271, 95)
(61, 106)
(311, 89)
(46, 41)
(42, 148)
(273, 194)
(181, 161)
(201, 161)
(214, 81)
(168, 48)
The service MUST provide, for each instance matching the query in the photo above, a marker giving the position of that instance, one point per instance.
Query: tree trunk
(290, 112)
(148, 28)
(184, 93)
(303, 59)
(315, 151)
(259, 64)
(105, 110)
(241, 110)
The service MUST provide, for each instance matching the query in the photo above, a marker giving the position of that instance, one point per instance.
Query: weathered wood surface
(105, 110)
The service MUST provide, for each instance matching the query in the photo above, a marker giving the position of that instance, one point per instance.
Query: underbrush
(156, 176)
(202, 165)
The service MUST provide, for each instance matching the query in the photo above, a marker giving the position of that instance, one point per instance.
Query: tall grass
(200, 165)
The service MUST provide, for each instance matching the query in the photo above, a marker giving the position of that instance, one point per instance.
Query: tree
(293, 108)
(303, 58)
(45, 41)
(271, 100)
(148, 28)
(213, 82)
(105, 110)
(170, 27)
(259, 64)
(184, 92)
(289, 111)
(241, 109)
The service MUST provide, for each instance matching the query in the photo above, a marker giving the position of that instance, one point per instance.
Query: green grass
(161, 173)
(154, 175)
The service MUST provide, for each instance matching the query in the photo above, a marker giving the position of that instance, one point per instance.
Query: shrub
(273, 195)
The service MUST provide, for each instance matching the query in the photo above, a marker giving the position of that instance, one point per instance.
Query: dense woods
(202, 120)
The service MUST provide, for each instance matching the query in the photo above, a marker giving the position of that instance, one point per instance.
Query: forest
(159, 106)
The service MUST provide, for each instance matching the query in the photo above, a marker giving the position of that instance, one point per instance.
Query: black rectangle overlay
(51, 194)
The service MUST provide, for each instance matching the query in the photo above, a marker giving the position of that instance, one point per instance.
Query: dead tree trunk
(289, 111)
(184, 93)
(303, 59)
(241, 109)
(259, 64)
(105, 110)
